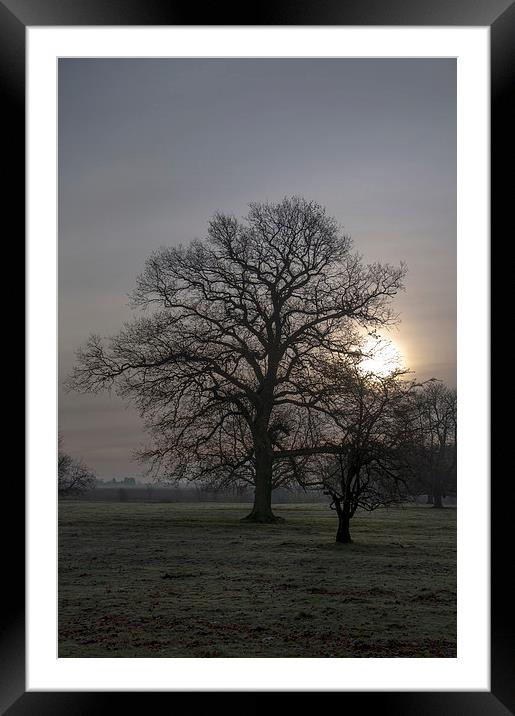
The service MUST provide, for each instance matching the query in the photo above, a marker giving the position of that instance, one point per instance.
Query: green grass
(191, 580)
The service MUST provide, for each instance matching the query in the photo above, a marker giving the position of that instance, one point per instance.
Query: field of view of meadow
(212, 586)
(256, 449)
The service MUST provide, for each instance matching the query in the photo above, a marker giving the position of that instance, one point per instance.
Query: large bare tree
(225, 356)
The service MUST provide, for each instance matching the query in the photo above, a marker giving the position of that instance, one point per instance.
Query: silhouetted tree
(232, 345)
(73, 477)
(434, 447)
(366, 430)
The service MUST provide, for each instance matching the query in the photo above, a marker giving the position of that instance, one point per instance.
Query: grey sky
(150, 149)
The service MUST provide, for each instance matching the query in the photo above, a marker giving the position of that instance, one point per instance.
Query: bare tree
(366, 429)
(434, 446)
(73, 476)
(232, 343)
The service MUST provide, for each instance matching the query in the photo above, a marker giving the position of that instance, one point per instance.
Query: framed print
(331, 131)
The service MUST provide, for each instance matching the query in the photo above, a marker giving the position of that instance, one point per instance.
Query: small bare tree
(364, 462)
(236, 328)
(73, 476)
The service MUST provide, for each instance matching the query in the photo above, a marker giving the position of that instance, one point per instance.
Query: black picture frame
(499, 15)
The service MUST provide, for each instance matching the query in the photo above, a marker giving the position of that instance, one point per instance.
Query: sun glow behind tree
(381, 357)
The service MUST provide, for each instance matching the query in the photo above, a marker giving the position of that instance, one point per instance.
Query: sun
(381, 357)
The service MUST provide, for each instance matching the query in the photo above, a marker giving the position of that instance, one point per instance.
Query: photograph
(257, 362)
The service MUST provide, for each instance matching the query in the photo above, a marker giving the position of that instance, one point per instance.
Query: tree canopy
(226, 361)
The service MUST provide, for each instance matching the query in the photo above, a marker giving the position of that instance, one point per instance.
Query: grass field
(191, 580)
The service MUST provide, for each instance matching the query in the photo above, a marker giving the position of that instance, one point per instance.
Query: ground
(191, 580)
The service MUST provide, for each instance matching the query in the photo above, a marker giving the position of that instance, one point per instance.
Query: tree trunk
(437, 501)
(437, 492)
(343, 533)
(262, 509)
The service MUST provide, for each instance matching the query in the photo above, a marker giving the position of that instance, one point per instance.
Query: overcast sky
(150, 149)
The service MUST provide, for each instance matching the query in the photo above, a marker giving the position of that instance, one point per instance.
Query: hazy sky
(150, 149)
